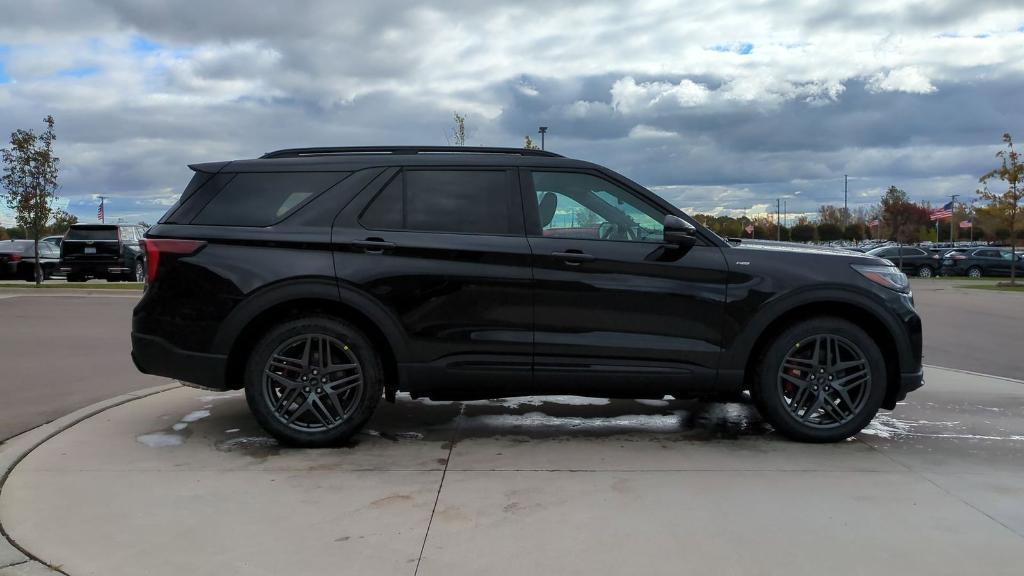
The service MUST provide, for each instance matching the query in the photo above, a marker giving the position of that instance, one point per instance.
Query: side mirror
(679, 232)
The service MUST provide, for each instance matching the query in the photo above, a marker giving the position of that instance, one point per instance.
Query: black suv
(110, 251)
(321, 279)
(978, 262)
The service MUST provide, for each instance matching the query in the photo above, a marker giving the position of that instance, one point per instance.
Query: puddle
(888, 427)
(161, 439)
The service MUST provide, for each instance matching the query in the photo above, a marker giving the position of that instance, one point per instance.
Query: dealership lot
(184, 481)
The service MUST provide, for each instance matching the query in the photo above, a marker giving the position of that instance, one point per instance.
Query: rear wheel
(925, 272)
(76, 278)
(313, 381)
(822, 380)
(974, 272)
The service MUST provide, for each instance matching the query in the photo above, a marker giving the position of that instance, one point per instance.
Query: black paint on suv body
(490, 273)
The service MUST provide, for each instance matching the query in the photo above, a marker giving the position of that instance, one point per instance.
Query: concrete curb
(14, 560)
(983, 375)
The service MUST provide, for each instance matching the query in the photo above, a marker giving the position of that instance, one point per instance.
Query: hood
(795, 248)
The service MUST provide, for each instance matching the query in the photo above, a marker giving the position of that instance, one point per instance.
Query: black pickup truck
(109, 251)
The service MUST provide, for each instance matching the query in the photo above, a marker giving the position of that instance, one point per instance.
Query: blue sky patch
(143, 45)
(4, 77)
(735, 47)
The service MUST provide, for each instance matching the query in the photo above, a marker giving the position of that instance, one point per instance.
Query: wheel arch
(854, 312)
(250, 320)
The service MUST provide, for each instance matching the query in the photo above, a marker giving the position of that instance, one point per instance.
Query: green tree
(529, 144)
(1006, 204)
(61, 222)
(829, 232)
(30, 179)
(854, 232)
(458, 135)
(802, 233)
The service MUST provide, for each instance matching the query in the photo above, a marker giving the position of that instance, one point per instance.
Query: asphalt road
(59, 353)
(68, 351)
(969, 329)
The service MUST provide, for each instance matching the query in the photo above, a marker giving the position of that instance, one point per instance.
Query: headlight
(888, 276)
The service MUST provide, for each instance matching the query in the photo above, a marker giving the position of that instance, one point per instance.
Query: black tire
(974, 272)
(140, 271)
(75, 278)
(925, 272)
(824, 424)
(309, 428)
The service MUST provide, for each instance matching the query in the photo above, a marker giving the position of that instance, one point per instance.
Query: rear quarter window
(264, 198)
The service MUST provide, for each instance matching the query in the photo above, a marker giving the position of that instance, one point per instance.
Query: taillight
(15, 258)
(155, 246)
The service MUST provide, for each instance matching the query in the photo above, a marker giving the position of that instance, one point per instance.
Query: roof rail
(355, 150)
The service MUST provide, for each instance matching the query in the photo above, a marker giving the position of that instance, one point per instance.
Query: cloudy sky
(721, 106)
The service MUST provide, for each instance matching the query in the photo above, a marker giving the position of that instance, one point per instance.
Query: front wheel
(974, 272)
(822, 380)
(314, 381)
(140, 271)
(925, 272)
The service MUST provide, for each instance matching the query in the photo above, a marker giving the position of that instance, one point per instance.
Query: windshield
(16, 246)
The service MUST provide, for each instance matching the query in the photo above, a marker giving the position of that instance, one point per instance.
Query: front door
(616, 311)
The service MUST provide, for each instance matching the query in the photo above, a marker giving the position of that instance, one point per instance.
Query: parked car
(54, 240)
(18, 259)
(321, 279)
(979, 262)
(109, 251)
(916, 261)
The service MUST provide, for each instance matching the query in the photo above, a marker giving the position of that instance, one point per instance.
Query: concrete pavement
(970, 329)
(184, 482)
(62, 350)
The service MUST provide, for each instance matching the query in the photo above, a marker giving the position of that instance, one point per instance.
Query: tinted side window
(461, 201)
(261, 199)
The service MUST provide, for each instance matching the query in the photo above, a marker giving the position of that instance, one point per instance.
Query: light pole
(543, 130)
(846, 207)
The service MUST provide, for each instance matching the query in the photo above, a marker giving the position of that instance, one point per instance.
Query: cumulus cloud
(908, 79)
(726, 104)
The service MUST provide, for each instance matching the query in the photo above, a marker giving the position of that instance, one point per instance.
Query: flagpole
(952, 217)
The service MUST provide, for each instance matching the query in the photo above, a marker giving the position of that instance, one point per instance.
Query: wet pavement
(185, 482)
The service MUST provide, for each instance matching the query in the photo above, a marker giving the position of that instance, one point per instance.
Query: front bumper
(158, 357)
(908, 383)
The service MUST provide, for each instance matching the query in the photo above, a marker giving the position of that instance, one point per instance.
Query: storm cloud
(720, 106)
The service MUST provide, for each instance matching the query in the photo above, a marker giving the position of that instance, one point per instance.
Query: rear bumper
(94, 268)
(158, 357)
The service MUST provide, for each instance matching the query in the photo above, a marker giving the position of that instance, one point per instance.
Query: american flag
(942, 213)
(99, 212)
(967, 224)
(875, 223)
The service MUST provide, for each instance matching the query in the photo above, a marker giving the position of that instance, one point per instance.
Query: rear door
(616, 311)
(443, 250)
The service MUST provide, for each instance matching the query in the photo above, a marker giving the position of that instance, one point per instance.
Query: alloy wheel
(974, 273)
(925, 272)
(313, 382)
(824, 381)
